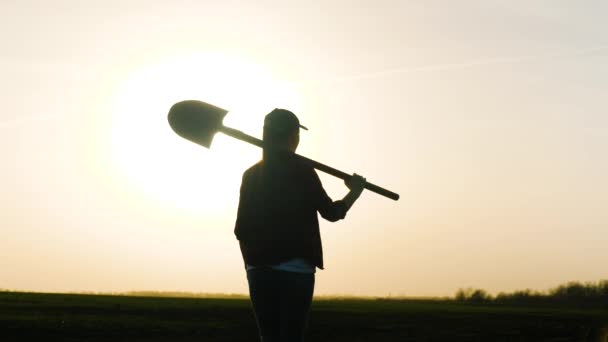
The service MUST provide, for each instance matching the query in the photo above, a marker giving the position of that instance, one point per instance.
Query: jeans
(281, 302)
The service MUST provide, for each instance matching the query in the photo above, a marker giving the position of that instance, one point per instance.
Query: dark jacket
(277, 215)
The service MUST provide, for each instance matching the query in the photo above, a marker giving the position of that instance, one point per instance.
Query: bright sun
(159, 165)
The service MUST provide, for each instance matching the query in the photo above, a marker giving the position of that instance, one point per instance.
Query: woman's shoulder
(304, 166)
(253, 169)
(296, 167)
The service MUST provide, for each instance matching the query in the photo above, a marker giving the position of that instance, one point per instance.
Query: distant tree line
(576, 294)
(181, 294)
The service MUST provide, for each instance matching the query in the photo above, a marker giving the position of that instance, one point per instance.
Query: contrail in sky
(376, 74)
(448, 66)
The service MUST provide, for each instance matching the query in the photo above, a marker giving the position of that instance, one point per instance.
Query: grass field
(71, 317)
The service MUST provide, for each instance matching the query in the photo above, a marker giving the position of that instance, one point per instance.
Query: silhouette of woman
(278, 229)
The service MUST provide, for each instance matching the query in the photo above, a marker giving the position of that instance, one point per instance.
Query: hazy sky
(490, 118)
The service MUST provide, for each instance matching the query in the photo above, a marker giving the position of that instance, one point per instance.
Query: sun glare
(159, 165)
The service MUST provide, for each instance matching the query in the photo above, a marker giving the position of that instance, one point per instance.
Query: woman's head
(282, 130)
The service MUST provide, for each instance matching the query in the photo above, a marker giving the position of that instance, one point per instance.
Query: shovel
(199, 121)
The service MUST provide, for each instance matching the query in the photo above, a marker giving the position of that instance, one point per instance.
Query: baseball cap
(282, 121)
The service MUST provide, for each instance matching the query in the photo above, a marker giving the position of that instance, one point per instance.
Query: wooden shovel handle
(342, 175)
(321, 167)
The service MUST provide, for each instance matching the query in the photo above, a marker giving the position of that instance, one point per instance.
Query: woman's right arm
(336, 210)
(356, 184)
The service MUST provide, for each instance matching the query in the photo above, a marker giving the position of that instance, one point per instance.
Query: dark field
(52, 317)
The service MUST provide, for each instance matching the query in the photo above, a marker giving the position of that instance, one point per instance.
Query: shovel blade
(196, 121)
